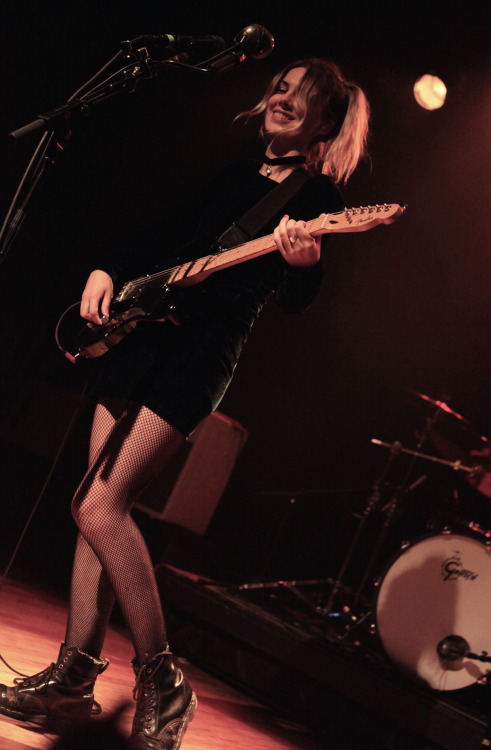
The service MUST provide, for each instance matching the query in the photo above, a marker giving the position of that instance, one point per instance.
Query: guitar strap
(253, 221)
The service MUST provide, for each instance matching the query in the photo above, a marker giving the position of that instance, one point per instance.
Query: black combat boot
(59, 695)
(165, 704)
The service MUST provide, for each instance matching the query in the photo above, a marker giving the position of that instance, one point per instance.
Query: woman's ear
(325, 131)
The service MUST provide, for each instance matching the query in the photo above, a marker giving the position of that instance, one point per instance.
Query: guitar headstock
(362, 218)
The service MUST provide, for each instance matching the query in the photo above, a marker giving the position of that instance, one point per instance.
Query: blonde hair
(344, 105)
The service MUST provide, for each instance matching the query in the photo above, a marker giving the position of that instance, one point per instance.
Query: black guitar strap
(251, 223)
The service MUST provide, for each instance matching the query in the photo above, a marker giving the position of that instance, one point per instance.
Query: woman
(161, 380)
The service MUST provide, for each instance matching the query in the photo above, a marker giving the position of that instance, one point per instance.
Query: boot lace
(35, 679)
(145, 692)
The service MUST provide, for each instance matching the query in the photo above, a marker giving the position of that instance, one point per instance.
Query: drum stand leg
(390, 510)
(372, 504)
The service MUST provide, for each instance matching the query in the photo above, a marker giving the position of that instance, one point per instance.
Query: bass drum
(434, 595)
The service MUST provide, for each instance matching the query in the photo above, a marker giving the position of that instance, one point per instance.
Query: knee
(83, 510)
(76, 509)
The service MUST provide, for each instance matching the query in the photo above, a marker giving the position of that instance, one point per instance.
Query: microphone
(253, 41)
(208, 43)
(180, 43)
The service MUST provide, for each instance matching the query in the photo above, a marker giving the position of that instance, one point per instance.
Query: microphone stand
(137, 65)
(254, 41)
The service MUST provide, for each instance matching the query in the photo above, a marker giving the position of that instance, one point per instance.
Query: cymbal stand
(402, 491)
(390, 510)
(372, 504)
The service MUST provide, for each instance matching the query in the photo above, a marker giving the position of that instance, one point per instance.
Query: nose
(286, 100)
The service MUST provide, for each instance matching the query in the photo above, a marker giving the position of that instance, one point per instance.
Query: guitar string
(135, 285)
(189, 264)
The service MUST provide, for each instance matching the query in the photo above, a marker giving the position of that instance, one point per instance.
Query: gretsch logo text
(453, 568)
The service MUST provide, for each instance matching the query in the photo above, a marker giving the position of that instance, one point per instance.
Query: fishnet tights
(128, 445)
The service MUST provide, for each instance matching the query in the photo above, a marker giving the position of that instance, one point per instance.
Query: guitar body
(148, 304)
(156, 297)
(94, 341)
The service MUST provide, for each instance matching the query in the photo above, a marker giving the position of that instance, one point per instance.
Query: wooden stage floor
(32, 625)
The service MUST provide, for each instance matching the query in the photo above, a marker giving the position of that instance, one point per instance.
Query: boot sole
(39, 720)
(141, 741)
(187, 718)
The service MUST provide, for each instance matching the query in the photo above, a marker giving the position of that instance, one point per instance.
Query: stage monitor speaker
(187, 491)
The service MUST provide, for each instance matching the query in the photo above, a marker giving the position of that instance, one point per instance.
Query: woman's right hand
(96, 297)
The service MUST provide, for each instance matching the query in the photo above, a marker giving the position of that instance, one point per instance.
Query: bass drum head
(440, 586)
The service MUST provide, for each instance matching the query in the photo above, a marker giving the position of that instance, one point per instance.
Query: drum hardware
(438, 413)
(455, 438)
(400, 493)
(309, 592)
(456, 465)
(390, 509)
(462, 433)
(432, 610)
(454, 648)
(295, 587)
(476, 528)
(305, 592)
(373, 504)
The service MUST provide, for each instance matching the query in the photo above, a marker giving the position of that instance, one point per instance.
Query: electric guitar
(151, 297)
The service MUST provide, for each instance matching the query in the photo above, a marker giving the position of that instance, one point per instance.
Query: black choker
(282, 161)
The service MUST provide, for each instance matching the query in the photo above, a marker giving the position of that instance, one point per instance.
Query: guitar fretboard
(192, 272)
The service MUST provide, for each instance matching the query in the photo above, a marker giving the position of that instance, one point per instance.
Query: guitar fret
(348, 220)
(192, 268)
(95, 340)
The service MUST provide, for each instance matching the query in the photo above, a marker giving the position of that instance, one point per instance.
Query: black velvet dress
(181, 372)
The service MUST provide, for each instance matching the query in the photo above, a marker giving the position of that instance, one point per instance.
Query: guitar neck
(196, 270)
(192, 272)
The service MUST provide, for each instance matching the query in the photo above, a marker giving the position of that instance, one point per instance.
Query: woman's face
(282, 118)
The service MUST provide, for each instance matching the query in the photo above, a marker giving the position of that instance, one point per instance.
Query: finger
(89, 309)
(289, 234)
(281, 235)
(301, 235)
(105, 305)
(296, 235)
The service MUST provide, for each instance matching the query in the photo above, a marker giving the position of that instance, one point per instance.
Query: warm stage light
(430, 92)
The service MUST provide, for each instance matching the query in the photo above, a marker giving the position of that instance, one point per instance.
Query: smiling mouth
(283, 116)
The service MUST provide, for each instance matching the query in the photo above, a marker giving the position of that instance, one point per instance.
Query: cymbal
(441, 410)
(455, 437)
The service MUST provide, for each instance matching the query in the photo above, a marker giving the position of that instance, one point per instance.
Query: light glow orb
(430, 92)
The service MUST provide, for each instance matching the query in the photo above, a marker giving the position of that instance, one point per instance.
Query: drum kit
(430, 605)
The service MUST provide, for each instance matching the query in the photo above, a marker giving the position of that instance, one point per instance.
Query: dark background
(405, 307)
